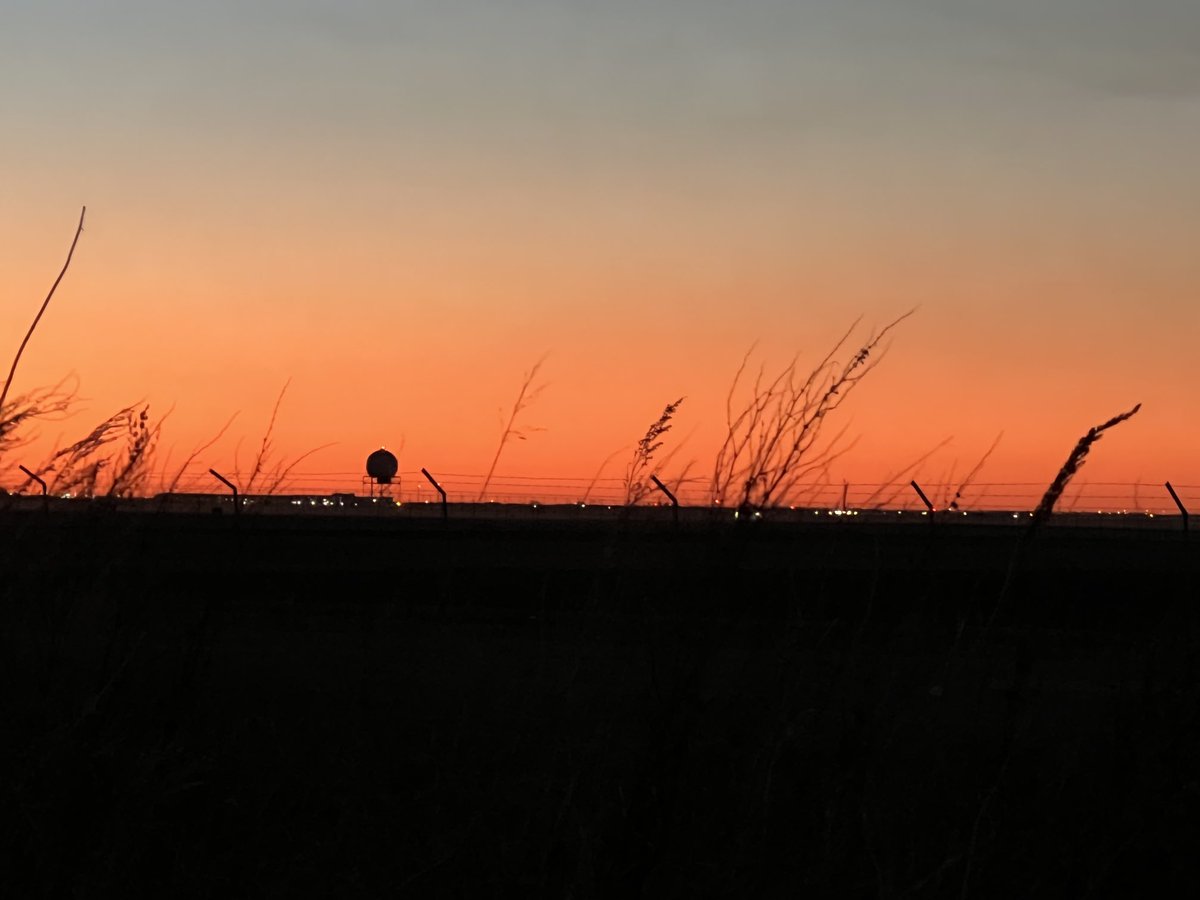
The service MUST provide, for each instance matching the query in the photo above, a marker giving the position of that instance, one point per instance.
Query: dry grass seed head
(635, 477)
(1073, 464)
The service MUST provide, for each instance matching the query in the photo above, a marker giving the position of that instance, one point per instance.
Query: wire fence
(411, 486)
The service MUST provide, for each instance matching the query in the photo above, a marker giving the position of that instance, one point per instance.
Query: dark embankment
(278, 706)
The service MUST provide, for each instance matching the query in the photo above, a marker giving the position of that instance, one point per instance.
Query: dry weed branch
(910, 470)
(78, 469)
(267, 475)
(683, 478)
(639, 467)
(132, 473)
(170, 487)
(45, 303)
(966, 482)
(265, 448)
(599, 471)
(528, 393)
(1073, 464)
(279, 476)
(774, 440)
(45, 403)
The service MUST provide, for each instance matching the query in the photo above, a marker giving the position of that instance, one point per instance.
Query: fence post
(438, 488)
(674, 503)
(34, 477)
(1174, 496)
(45, 496)
(920, 493)
(237, 506)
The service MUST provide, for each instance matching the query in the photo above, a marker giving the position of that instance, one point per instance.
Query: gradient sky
(403, 205)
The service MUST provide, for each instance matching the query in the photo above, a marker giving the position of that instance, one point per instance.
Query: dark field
(277, 706)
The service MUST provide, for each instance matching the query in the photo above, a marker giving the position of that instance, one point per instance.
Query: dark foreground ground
(195, 706)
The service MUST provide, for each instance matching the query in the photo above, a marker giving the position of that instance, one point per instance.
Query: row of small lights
(327, 502)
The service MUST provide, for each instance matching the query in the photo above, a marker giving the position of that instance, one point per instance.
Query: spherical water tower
(382, 467)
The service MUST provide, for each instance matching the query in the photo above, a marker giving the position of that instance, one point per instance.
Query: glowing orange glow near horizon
(430, 379)
(403, 249)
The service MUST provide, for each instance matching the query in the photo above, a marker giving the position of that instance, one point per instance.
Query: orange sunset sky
(402, 206)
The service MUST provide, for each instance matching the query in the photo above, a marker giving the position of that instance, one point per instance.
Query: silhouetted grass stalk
(45, 303)
(264, 449)
(599, 471)
(170, 487)
(41, 403)
(775, 439)
(1073, 464)
(1044, 509)
(911, 470)
(80, 469)
(525, 397)
(266, 475)
(966, 482)
(639, 467)
(133, 471)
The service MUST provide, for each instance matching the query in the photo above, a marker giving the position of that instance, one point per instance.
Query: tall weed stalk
(776, 437)
(528, 393)
(636, 486)
(1073, 464)
(41, 311)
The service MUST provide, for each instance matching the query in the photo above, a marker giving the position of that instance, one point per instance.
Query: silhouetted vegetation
(970, 477)
(776, 438)
(87, 468)
(12, 371)
(169, 487)
(1073, 464)
(638, 472)
(18, 415)
(510, 431)
(268, 474)
(90, 466)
